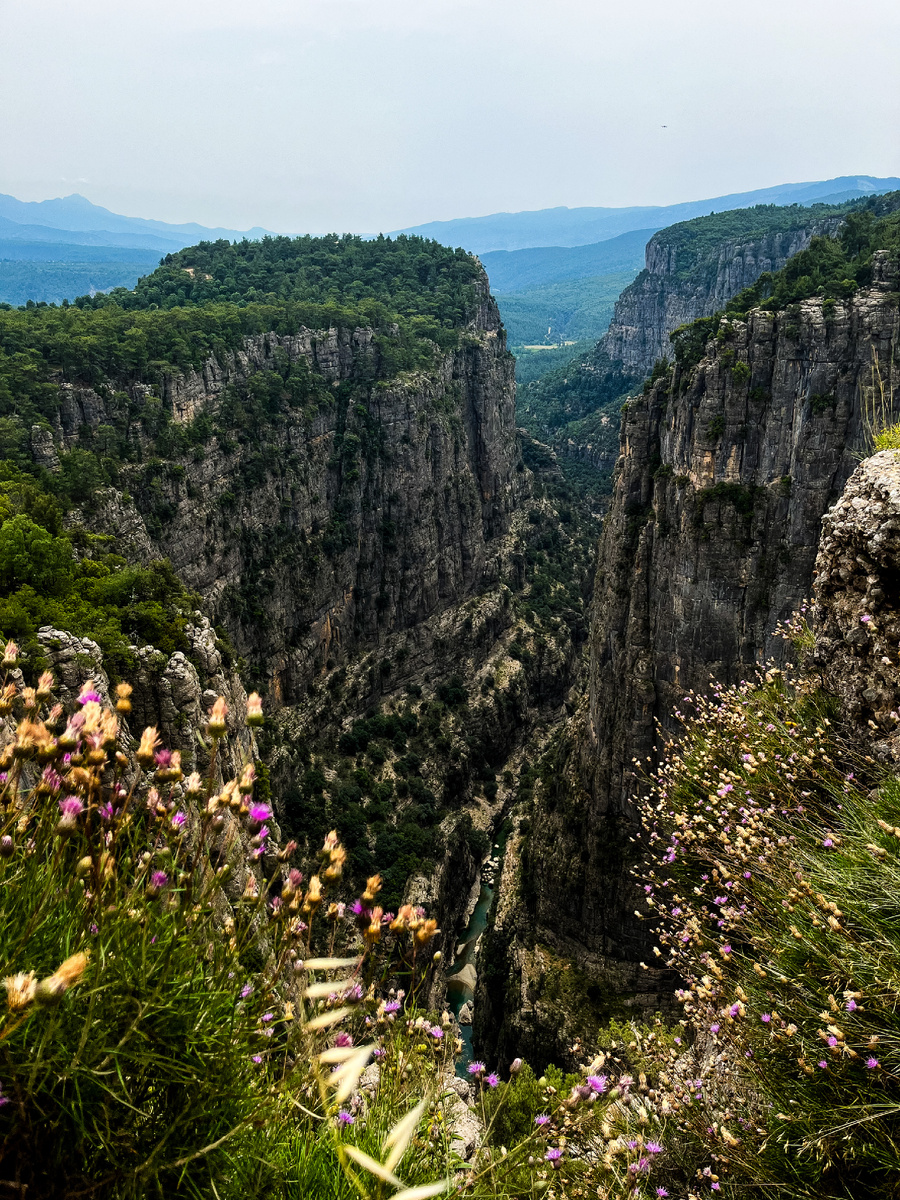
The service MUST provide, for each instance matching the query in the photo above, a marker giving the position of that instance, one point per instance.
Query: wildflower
(661, 1191)
(393, 1006)
(10, 654)
(70, 809)
(766, 1018)
(828, 843)
(492, 1080)
(146, 751)
(343, 1039)
(438, 1033)
(553, 1154)
(714, 1028)
(823, 1064)
(259, 814)
(269, 1016)
(654, 1148)
(865, 619)
(254, 709)
(345, 1118)
(217, 726)
(246, 990)
(871, 1064)
(55, 986)
(158, 881)
(475, 1068)
(597, 1083)
(20, 990)
(851, 1005)
(178, 820)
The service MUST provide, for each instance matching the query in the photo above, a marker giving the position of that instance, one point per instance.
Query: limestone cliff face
(724, 475)
(692, 271)
(857, 609)
(332, 527)
(676, 287)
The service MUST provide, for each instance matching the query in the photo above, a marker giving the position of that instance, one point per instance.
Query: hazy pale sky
(316, 115)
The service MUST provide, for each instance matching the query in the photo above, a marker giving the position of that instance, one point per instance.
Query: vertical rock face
(857, 610)
(675, 288)
(328, 529)
(724, 475)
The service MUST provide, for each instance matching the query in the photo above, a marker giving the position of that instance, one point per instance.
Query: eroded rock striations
(725, 472)
(331, 528)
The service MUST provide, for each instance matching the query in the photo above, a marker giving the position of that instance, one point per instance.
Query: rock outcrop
(725, 473)
(857, 609)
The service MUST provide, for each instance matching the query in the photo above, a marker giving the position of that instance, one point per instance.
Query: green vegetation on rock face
(701, 240)
(831, 267)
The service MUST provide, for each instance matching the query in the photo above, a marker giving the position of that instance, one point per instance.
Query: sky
(367, 115)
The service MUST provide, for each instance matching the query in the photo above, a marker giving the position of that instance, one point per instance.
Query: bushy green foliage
(409, 276)
(576, 309)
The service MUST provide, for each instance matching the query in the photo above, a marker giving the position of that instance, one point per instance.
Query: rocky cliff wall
(724, 475)
(327, 527)
(670, 291)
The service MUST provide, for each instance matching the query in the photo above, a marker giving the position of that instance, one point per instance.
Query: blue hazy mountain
(560, 227)
(58, 219)
(521, 270)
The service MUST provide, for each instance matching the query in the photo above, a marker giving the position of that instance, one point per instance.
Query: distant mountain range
(58, 249)
(521, 270)
(563, 227)
(58, 220)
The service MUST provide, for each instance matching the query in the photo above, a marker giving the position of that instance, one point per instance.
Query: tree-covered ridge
(831, 267)
(411, 276)
(695, 241)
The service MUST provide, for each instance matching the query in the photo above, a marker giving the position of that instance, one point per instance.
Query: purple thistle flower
(832, 1041)
(654, 1148)
(437, 1032)
(542, 1119)
(71, 807)
(260, 813)
(346, 1118)
(268, 1016)
(343, 1040)
(246, 990)
(492, 1080)
(714, 1028)
(823, 1064)
(871, 1064)
(766, 1018)
(178, 819)
(852, 1006)
(163, 758)
(597, 1083)
(661, 1191)
(393, 1006)
(87, 697)
(158, 880)
(476, 1068)
(257, 1058)
(553, 1154)
(380, 1053)
(827, 843)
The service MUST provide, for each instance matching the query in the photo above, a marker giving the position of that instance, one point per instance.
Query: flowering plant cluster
(181, 1005)
(776, 851)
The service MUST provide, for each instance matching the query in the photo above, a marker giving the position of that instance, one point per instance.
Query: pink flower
(492, 1080)
(871, 1064)
(597, 1083)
